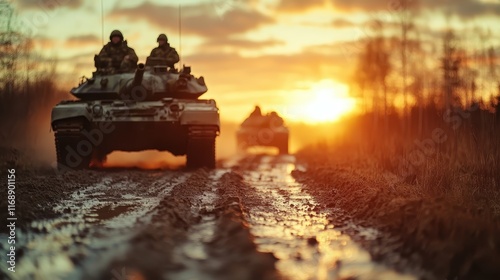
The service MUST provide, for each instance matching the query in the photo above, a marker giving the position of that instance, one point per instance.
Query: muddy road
(247, 219)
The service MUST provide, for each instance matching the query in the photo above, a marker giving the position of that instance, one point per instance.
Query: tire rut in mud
(190, 238)
(233, 242)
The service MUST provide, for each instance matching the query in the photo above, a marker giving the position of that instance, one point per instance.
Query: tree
(406, 9)
(450, 64)
(13, 48)
(372, 71)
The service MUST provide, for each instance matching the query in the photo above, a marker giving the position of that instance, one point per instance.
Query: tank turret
(155, 81)
(267, 130)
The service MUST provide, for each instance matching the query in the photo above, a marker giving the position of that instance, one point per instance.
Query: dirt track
(248, 219)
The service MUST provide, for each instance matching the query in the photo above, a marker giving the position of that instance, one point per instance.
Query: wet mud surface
(291, 224)
(259, 217)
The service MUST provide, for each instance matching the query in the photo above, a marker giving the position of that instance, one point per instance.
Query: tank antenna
(102, 21)
(180, 42)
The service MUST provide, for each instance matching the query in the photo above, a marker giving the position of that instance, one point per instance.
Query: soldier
(256, 112)
(116, 54)
(255, 119)
(165, 52)
(275, 120)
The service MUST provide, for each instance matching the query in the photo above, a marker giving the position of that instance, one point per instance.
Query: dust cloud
(149, 159)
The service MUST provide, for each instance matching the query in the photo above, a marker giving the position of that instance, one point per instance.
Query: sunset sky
(295, 57)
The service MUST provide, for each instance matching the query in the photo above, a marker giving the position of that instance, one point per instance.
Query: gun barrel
(139, 73)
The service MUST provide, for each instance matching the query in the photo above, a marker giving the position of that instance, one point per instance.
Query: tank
(150, 107)
(263, 130)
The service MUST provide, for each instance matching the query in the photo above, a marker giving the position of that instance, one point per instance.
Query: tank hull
(264, 137)
(144, 135)
(87, 131)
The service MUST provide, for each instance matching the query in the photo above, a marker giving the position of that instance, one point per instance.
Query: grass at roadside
(447, 238)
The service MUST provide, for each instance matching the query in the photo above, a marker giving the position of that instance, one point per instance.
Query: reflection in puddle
(306, 244)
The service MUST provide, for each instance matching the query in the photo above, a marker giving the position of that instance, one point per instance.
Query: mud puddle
(95, 223)
(288, 223)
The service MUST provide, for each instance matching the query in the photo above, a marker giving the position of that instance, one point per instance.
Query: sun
(324, 101)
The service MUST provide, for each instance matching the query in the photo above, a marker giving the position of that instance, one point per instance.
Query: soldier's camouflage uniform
(166, 53)
(112, 56)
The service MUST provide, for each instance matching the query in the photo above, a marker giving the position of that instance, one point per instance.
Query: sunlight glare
(325, 101)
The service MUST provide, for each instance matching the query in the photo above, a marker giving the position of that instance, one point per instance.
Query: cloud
(82, 40)
(202, 19)
(44, 42)
(47, 44)
(462, 8)
(342, 23)
(298, 5)
(366, 5)
(469, 8)
(238, 44)
(49, 4)
(80, 56)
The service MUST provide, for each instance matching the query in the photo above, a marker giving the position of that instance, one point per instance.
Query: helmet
(116, 33)
(162, 37)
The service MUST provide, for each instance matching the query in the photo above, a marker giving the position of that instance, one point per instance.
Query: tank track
(283, 147)
(67, 151)
(201, 149)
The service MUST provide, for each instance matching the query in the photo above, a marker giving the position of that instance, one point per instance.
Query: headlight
(97, 110)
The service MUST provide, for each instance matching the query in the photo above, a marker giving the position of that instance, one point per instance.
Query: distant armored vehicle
(151, 107)
(263, 130)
